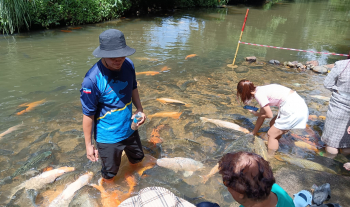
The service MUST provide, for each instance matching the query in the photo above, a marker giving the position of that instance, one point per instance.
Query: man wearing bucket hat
(108, 91)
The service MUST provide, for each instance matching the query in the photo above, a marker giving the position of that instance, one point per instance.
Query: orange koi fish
(165, 68)
(155, 137)
(66, 31)
(305, 145)
(190, 56)
(148, 73)
(107, 199)
(30, 106)
(11, 129)
(312, 117)
(171, 101)
(322, 117)
(174, 115)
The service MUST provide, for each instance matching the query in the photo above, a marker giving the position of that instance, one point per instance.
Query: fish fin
(188, 173)
(278, 157)
(32, 194)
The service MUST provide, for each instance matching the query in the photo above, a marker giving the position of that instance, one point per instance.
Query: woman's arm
(331, 78)
(265, 112)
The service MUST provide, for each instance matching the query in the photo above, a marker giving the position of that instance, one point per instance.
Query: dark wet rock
(242, 69)
(6, 152)
(320, 69)
(251, 59)
(313, 63)
(277, 62)
(73, 132)
(295, 179)
(183, 86)
(54, 132)
(41, 138)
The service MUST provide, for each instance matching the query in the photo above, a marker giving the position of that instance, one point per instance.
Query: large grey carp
(180, 164)
(32, 162)
(225, 124)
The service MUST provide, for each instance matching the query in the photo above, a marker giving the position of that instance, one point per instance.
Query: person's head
(247, 176)
(113, 49)
(245, 90)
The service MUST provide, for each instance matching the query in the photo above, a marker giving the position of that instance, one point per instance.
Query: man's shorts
(111, 154)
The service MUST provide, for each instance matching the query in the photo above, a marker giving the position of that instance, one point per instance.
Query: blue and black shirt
(107, 94)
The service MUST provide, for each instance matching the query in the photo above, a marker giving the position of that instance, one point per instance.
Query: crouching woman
(249, 179)
(293, 112)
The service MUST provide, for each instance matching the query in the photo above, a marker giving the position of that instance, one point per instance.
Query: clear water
(50, 65)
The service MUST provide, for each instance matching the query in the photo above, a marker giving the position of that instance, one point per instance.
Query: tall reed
(14, 14)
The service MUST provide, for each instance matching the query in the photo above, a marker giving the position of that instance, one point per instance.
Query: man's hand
(143, 119)
(349, 130)
(92, 153)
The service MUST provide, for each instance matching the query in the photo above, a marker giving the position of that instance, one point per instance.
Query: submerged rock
(320, 69)
(274, 62)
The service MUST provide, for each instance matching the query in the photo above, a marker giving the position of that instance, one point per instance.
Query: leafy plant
(14, 14)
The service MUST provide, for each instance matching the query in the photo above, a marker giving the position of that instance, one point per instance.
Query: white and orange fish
(11, 129)
(39, 181)
(30, 106)
(190, 56)
(148, 73)
(225, 124)
(171, 101)
(174, 115)
(67, 195)
(180, 164)
(165, 68)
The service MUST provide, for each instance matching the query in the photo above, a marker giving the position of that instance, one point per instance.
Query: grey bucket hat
(112, 45)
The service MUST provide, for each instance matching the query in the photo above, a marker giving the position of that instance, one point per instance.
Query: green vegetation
(14, 14)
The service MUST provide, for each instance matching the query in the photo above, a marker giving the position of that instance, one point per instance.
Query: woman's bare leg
(272, 122)
(331, 152)
(274, 135)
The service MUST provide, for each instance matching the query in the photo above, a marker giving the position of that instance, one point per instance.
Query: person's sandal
(321, 194)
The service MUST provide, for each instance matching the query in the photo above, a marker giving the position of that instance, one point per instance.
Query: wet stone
(251, 59)
(320, 69)
(312, 63)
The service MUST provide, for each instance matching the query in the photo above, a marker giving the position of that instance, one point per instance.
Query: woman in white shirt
(293, 112)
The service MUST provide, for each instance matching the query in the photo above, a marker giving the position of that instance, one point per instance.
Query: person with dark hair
(250, 181)
(336, 133)
(293, 112)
